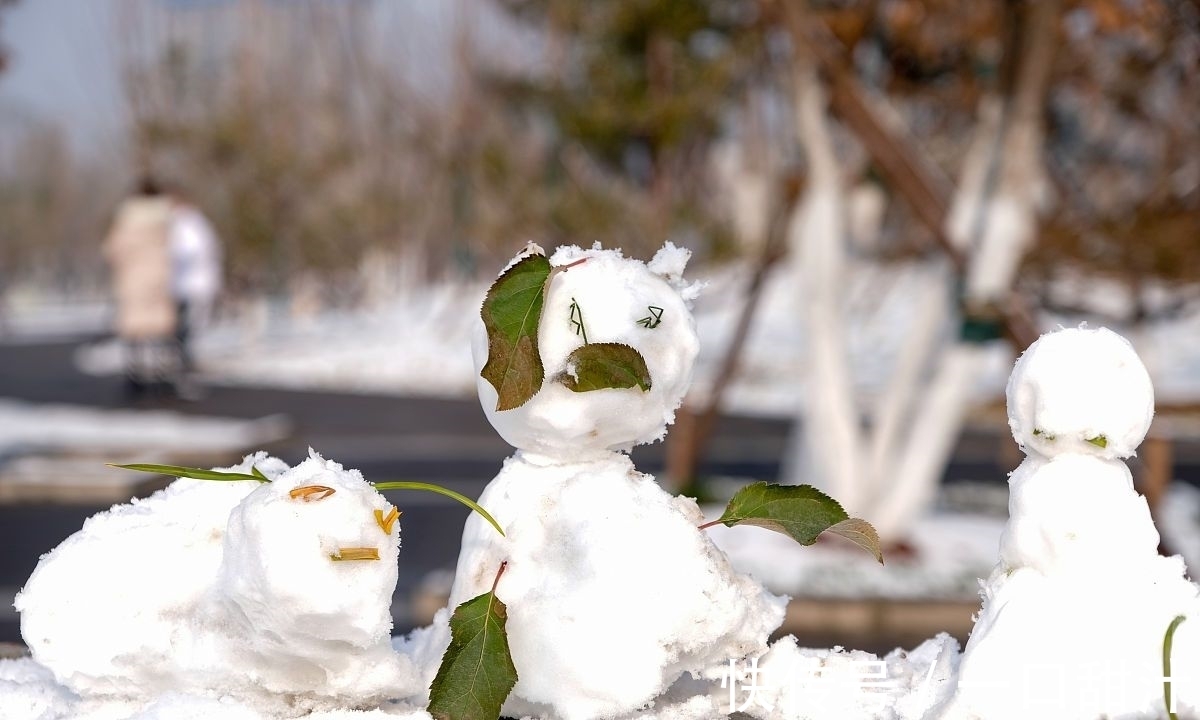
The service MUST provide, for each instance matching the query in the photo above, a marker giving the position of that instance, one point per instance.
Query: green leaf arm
(409, 485)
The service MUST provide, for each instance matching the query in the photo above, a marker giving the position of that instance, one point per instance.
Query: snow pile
(215, 589)
(1075, 612)
(794, 682)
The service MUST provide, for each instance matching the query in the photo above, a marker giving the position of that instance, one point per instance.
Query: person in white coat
(137, 252)
(195, 273)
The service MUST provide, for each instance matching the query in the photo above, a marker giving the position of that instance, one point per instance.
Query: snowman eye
(577, 320)
(310, 493)
(654, 319)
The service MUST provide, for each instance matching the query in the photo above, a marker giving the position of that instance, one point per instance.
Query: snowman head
(600, 298)
(310, 558)
(1080, 390)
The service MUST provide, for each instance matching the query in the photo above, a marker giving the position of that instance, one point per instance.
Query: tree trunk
(1008, 226)
(828, 418)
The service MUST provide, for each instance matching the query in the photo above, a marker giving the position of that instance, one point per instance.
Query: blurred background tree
(632, 98)
(624, 122)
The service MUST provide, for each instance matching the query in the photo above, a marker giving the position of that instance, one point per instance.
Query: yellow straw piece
(358, 553)
(386, 521)
(309, 493)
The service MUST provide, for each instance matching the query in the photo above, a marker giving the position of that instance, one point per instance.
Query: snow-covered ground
(418, 342)
(29, 427)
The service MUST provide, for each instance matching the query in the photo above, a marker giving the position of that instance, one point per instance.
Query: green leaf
(1168, 638)
(799, 511)
(477, 671)
(193, 473)
(606, 365)
(258, 474)
(409, 485)
(861, 533)
(511, 313)
(1099, 441)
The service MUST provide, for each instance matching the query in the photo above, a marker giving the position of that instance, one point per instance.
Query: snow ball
(620, 300)
(1076, 513)
(612, 591)
(1080, 390)
(306, 582)
(279, 566)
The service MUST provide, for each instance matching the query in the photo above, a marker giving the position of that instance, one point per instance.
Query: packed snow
(275, 594)
(600, 300)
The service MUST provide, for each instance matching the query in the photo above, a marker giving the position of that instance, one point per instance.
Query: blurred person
(140, 264)
(195, 277)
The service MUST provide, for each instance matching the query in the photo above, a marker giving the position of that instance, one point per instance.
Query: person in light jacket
(138, 256)
(195, 273)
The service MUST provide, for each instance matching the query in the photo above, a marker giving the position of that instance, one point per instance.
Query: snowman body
(1074, 613)
(227, 589)
(612, 592)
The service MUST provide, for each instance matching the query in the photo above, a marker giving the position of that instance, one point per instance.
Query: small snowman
(1075, 613)
(612, 592)
(276, 593)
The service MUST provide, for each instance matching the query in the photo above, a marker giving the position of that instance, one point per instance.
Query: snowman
(1075, 613)
(275, 593)
(612, 593)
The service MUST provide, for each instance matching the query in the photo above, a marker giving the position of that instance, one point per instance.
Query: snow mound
(225, 589)
(795, 683)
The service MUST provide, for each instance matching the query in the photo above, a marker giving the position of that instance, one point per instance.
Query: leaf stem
(1167, 664)
(410, 485)
(709, 524)
(499, 572)
(192, 473)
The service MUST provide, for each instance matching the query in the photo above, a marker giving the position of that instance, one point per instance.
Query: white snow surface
(25, 426)
(611, 294)
(802, 684)
(224, 589)
(951, 551)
